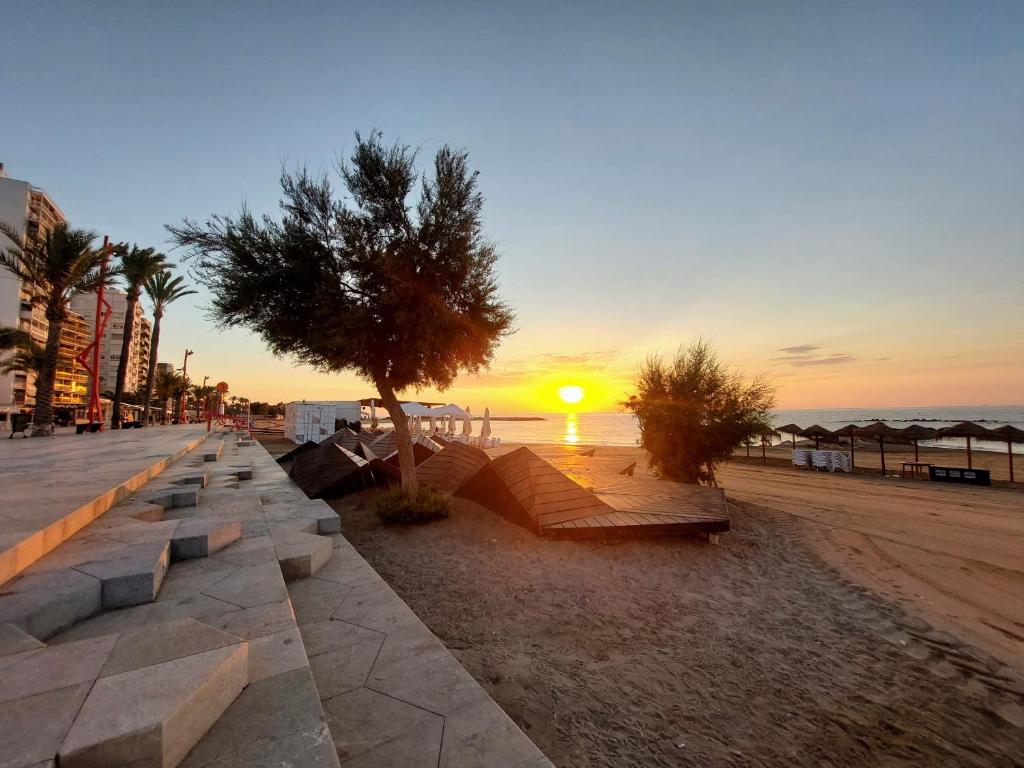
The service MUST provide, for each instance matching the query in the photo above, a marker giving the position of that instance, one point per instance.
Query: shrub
(395, 508)
(693, 412)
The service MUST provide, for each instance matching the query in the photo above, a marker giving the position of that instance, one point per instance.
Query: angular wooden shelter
(449, 469)
(329, 471)
(593, 503)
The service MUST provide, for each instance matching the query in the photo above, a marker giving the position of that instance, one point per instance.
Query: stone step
(142, 511)
(134, 576)
(35, 522)
(300, 555)
(160, 691)
(202, 537)
(213, 453)
(312, 515)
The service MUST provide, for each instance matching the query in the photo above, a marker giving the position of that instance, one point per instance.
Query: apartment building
(31, 212)
(113, 337)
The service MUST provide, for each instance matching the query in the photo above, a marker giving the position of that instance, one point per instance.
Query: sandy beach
(844, 621)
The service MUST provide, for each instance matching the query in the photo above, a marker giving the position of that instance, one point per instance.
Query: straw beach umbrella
(881, 431)
(1011, 435)
(916, 432)
(969, 429)
(818, 432)
(791, 429)
(850, 431)
(766, 438)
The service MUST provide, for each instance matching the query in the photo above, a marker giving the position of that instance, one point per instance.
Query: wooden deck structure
(592, 499)
(449, 469)
(329, 471)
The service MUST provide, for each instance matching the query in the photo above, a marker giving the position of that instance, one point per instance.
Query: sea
(621, 428)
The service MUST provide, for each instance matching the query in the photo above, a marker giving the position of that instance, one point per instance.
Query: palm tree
(137, 266)
(167, 384)
(203, 396)
(162, 289)
(55, 267)
(28, 357)
(13, 338)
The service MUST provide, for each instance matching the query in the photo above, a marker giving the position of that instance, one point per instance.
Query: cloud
(829, 360)
(811, 354)
(525, 370)
(801, 349)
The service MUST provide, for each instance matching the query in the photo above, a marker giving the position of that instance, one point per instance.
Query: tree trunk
(122, 364)
(151, 371)
(406, 458)
(43, 418)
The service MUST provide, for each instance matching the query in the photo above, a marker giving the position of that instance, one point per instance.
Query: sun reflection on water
(572, 428)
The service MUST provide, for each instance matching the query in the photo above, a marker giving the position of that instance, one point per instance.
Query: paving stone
(136, 510)
(172, 498)
(196, 478)
(190, 577)
(346, 668)
(32, 728)
(278, 716)
(482, 735)
(250, 623)
(300, 555)
(251, 586)
(156, 713)
(134, 578)
(16, 640)
(375, 607)
(56, 666)
(251, 550)
(187, 606)
(315, 599)
(322, 636)
(45, 603)
(201, 538)
(133, 532)
(371, 729)
(273, 654)
(157, 643)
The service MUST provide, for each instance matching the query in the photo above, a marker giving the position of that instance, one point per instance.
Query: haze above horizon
(828, 193)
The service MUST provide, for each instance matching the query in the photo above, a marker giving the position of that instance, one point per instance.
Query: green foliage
(28, 357)
(56, 266)
(403, 294)
(163, 288)
(693, 412)
(394, 507)
(13, 338)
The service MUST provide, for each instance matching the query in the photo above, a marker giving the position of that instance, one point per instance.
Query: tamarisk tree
(404, 295)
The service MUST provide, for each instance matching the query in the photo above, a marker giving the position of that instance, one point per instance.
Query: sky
(829, 193)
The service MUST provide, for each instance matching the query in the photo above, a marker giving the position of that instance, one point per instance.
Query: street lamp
(184, 384)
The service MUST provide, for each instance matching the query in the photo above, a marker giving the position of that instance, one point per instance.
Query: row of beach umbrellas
(914, 433)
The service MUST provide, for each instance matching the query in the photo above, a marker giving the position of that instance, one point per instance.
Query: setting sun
(570, 394)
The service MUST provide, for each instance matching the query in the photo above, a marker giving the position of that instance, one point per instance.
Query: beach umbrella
(485, 428)
(818, 432)
(467, 423)
(850, 431)
(791, 429)
(916, 432)
(881, 431)
(969, 429)
(1010, 435)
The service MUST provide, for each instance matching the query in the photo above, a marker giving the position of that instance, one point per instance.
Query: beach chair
(801, 458)
(820, 460)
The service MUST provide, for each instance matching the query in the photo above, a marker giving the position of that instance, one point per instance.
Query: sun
(571, 394)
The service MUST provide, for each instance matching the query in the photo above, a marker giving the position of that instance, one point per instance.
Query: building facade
(113, 336)
(32, 213)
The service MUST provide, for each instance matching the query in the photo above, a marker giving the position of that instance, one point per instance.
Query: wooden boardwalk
(590, 498)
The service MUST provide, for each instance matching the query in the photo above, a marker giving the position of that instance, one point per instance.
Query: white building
(110, 345)
(316, 420)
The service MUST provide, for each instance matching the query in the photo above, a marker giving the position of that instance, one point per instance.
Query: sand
(844, 622)
(766, 650)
